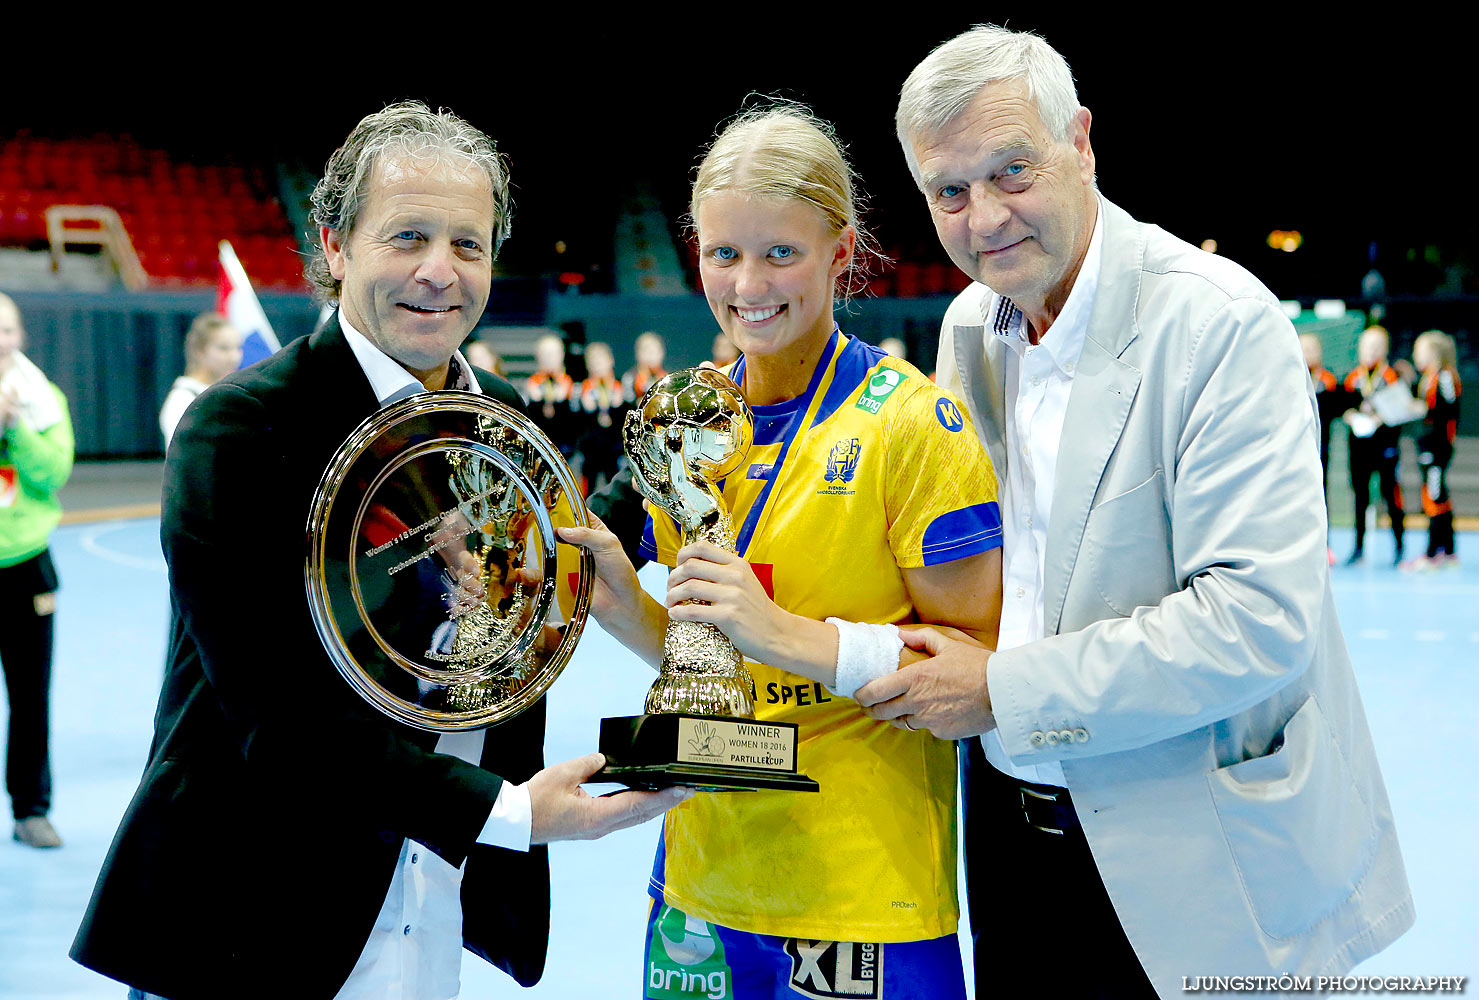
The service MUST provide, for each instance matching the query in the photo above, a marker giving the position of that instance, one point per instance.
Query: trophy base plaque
(711, 753)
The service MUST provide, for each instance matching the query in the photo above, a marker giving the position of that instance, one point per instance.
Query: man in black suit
(286, 838)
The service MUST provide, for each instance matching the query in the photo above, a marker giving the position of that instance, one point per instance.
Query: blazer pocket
(1128, 542)
(1302, 837)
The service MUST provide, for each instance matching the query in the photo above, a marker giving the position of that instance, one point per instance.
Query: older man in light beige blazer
(1176, 773)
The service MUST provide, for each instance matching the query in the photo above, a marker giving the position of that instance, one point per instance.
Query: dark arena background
(1332, 158)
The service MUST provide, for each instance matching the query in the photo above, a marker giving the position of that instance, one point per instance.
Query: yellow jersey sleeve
(940, 488)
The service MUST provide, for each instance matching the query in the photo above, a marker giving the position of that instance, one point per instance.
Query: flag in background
(236, 300)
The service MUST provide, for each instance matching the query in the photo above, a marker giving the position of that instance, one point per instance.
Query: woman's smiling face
(769, 266)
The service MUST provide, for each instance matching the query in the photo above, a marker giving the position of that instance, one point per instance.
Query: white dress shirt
(1039, 378)
(415, 950)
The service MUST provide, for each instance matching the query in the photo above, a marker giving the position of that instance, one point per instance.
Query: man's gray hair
(409, 129)
(950, 77)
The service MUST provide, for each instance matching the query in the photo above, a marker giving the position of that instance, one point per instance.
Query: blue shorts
(690, 959)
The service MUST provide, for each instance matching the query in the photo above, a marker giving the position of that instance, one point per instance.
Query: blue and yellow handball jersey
(873, 470)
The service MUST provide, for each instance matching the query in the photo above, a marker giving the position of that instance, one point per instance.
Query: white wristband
(864, 653)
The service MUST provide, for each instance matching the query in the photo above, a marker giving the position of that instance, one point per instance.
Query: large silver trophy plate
(434, 575)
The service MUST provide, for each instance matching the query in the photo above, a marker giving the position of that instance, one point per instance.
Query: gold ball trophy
(692, 430)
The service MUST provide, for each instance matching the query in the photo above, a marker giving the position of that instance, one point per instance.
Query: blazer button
(1052, 737)
(1081, 735)
(1067, 736)
(1037, 739)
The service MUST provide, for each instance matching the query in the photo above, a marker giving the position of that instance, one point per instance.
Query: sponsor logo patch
(685, 960)
(827, 970)
(948, 414)
(880, 387)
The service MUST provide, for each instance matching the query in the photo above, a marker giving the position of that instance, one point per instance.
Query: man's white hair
(950, 77)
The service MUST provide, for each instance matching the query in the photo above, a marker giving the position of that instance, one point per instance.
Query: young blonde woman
(212, 351)
(866, 501)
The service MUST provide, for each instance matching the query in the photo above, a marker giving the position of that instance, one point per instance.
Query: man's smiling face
(1013, 206)
(418, 265)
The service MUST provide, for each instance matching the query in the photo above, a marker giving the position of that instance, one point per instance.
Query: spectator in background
(894, 347)
(212, 351)
(723, 352)
(1330, 402)
(600, 407)
(1373, 444)
(480, 355)
(549, 392)
(1438, 389)
(35, 460)
(650, 354)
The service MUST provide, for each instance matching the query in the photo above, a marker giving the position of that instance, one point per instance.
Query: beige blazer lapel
(1104, 386)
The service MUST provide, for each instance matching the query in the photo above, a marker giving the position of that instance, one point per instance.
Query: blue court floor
(1414, 638)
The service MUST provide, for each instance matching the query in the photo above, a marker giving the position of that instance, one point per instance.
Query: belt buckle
(1022, 794)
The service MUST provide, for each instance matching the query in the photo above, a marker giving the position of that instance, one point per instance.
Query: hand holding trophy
(434, 569)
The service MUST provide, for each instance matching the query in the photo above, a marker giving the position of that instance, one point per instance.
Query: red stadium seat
(907, 280)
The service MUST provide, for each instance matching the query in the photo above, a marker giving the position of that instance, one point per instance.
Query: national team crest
(842, 461)
(842, 465)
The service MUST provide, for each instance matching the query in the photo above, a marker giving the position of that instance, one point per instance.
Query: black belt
(1045, 807)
